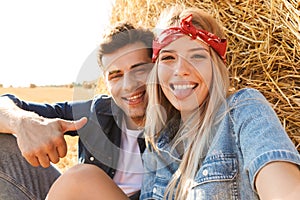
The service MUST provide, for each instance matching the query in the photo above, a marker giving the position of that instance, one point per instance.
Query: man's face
(126, 72)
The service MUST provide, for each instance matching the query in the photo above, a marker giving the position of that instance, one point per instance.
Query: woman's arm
(278, 180)
(270, 157)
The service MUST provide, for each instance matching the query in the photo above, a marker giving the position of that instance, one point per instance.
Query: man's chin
(136, 113)
(137, 117)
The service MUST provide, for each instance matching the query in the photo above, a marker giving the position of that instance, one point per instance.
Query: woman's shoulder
(246, 94)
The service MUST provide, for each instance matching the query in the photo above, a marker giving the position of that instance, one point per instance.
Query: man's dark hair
(122, 34)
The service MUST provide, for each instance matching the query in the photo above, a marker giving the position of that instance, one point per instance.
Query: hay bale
(264, 46)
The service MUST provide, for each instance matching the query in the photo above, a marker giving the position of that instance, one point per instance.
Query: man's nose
(129, 81)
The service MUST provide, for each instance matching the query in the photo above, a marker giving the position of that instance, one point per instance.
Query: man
(103, 124)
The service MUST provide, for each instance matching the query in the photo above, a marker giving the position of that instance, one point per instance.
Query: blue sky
(50, 42)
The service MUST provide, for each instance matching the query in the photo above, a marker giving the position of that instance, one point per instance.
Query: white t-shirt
(130, 170)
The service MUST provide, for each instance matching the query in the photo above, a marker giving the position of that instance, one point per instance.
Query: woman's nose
(182, 67)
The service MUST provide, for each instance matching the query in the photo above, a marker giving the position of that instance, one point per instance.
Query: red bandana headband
(186, 27)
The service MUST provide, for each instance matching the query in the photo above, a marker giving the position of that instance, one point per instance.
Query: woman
(203, 142)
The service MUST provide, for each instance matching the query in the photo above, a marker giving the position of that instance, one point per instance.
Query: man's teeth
(183, 87)
(135, 97)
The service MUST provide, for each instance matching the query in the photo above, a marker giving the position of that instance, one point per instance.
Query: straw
(264, 46)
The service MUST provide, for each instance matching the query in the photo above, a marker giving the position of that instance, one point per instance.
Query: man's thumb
(68, 125)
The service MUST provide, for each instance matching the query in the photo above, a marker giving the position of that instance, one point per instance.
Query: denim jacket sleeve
(261, 137)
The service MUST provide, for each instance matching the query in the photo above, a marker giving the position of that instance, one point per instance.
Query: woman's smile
(183, 90)
(185, 73)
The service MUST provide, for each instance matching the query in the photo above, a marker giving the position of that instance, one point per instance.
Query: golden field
(51, 95)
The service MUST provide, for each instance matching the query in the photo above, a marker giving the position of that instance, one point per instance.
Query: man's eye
(141, 70)
(115, 76)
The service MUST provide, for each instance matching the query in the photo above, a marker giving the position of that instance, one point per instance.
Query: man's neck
(135, 123)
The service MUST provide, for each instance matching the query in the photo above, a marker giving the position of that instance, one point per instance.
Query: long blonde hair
(160, 110)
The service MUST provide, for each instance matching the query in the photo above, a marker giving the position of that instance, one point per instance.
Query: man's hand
(41, 140)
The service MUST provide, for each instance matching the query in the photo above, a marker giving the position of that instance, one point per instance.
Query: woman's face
(185, 73)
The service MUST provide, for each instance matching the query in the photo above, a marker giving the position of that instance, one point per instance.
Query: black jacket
(100, 138)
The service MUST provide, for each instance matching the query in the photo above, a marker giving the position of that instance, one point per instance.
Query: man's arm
(41, 140)
(11, 115)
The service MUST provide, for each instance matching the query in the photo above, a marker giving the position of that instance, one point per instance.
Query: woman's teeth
(183, 87)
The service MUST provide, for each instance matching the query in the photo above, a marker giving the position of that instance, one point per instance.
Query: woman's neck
(186, 116)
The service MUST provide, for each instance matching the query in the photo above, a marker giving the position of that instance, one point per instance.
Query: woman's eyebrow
(193, 49)
(198, 49)
(167, 51)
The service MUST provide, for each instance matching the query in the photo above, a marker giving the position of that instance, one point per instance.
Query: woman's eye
(198, 56)
(167, 58)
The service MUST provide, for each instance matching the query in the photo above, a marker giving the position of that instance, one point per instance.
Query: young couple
(202, 141)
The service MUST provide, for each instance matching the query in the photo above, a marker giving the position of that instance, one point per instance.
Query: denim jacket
(248, 137)
(100, 138)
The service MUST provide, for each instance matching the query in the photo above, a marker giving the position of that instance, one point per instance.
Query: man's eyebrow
(114, 72)
(138, 64)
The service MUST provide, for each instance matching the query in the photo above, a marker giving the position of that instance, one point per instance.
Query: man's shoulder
(102, 97)
(102, 103)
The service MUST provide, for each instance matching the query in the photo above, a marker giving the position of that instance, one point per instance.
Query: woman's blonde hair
(160, 111)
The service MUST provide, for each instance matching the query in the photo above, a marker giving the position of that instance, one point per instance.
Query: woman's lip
(183, 86)
(182, 91)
